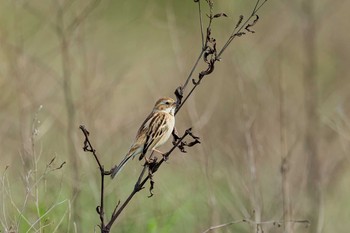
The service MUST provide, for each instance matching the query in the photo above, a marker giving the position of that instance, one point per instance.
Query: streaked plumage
(154, 131)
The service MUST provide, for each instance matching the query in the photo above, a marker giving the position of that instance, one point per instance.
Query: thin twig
(209, 46)
(238, 31)
(201, 23)
(101, 209)
(88, 146)
(191, 73)
(183, 102)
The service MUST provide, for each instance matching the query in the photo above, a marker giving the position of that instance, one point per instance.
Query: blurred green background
(274, 117)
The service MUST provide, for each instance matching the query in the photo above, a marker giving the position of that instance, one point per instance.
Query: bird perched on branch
(154, 132)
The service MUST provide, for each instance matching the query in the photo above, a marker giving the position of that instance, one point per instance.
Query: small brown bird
(154, 132)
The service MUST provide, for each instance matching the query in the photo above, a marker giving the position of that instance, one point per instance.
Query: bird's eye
(167, 103)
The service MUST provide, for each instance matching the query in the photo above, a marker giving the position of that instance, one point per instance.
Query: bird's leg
(158, 151)
(149, 159)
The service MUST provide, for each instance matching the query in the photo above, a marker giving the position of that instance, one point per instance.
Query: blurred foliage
(126, 54)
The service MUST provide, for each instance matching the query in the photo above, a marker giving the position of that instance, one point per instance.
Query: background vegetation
(274, 117)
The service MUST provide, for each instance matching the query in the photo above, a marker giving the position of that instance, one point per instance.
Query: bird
(154, 132)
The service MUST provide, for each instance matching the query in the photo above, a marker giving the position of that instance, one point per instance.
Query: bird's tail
(119, 167)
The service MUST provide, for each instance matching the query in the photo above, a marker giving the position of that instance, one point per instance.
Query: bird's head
(165, 104)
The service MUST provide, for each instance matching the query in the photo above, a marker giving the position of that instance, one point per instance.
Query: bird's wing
(141, 137)
(155, 130)
(144, 138)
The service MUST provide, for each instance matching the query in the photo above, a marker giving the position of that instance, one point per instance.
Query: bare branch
(87, 145)
(209, 50)
(238, 30)
(200, 23)
(210, 56)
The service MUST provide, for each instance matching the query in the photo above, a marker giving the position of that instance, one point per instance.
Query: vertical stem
(102, 212)
(253, 174)
(284, 157)
(68, 97)
(255, 197)
(16, 71)
(311, 105)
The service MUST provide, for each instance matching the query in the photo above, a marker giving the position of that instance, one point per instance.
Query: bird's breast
(170, 126)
